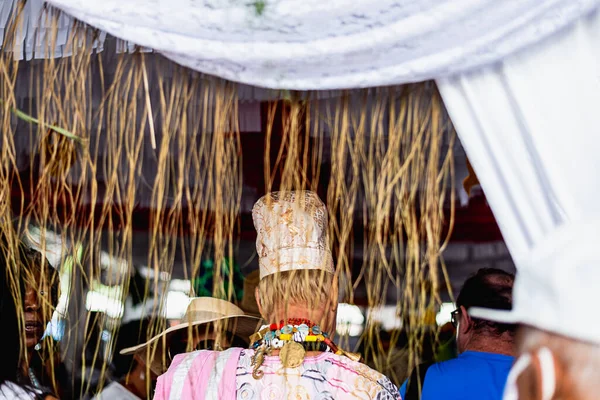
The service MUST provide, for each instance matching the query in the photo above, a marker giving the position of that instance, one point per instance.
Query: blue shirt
(472, 376)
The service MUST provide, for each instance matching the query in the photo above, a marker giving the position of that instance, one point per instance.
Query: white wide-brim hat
(557, 288)
(205, 310)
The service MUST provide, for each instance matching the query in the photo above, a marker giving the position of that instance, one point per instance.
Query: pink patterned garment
(200, 375)
(227, 375)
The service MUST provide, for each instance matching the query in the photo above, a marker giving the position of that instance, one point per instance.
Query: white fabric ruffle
(315, 44)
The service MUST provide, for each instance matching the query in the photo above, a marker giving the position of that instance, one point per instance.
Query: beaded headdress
(291, 232)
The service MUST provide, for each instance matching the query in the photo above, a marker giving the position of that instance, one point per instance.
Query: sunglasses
(454, 317)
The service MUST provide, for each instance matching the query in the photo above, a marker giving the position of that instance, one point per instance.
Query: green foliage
(259, 7)
(203, 284)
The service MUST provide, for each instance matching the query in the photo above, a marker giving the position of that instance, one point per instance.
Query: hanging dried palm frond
(60, 152)
(134, 134)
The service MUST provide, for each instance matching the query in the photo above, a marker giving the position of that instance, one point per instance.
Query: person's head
(211, 336)
(555, 295)
(310, 293)
(12, 342)
(297, 278)
(129, 369)
(129, 334)
(552, 367)
(488, 288)
(159, 355)
(42, 287)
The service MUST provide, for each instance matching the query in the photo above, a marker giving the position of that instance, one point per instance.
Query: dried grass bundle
(386, 181)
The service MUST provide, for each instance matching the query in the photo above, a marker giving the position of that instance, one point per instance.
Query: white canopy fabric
(530, 127)
(519, 77)
(315, 44)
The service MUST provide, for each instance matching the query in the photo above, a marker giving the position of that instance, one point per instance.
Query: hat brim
(241, 325)
(501, 316)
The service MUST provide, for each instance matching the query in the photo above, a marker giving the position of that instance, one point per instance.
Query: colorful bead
(331, 345)
(298, 321)
(299, 330)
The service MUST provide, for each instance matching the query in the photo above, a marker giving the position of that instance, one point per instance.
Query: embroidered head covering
(291, 232)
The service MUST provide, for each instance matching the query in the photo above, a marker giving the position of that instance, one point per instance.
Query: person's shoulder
(449, 367)
(183, 362)
(466, 364)
(362, 372)
(114, 391)
(474, 358)
(13, 391)
(190, 357)
(184, 369)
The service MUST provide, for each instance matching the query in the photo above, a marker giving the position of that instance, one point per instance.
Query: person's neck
(495, 345)
(291, 312)
(26, 362)
(297, 312)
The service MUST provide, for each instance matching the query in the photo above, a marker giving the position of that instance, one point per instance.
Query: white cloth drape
(530, 127)
(519, 77)
(31, 43)
(316, 44)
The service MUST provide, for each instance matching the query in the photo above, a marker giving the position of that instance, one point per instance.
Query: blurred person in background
(446, 347)
(90, 374)
(386, 351)
(42, 367)
(486, 349)
(209, 323)
(15, 346)
(129, 379)
(248, 303)
(556, 296)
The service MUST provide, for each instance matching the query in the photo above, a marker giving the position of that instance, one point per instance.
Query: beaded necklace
(33, 379)
(293, 339)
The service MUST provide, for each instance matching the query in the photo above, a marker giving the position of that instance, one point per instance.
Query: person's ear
(465, 323)
(542, 379)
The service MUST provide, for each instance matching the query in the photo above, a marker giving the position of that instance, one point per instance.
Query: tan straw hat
(204, 310)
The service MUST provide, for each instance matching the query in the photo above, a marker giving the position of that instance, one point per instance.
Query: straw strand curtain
(386, 182)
